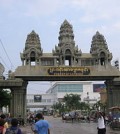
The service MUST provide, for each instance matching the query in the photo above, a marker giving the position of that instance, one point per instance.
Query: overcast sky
(19, 17)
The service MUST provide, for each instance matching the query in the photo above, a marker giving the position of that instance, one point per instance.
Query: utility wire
(4, 62)
(6, 53)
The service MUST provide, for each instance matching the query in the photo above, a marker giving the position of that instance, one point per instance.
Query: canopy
(115, 107)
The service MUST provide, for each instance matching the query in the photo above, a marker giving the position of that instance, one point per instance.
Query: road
(59, 127)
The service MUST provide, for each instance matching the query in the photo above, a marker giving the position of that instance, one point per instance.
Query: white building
(39, 101)
(88, 91)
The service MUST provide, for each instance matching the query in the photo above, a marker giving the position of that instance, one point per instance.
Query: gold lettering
(68, 71)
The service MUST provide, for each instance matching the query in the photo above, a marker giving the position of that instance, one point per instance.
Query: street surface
(60, 127)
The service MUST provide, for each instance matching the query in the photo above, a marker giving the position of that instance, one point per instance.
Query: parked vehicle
(115, 117)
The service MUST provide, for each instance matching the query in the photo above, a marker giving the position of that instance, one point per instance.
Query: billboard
(98, 87)
(37, 98)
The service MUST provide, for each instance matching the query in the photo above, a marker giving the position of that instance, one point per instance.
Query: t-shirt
(101, 123)
(42, 126)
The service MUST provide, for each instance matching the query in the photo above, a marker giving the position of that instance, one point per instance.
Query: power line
(4, 62)
(6, 53)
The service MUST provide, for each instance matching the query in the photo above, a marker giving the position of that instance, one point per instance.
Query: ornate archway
(93, 66)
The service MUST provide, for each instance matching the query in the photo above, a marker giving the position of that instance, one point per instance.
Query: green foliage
(5, 97)
(84, 106)
(59, 107)
(100, 106)
(72, 101)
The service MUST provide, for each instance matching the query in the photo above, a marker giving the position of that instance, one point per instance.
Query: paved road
(59, 127)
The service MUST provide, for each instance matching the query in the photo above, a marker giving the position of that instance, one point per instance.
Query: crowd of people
(11, 125)
(99, 117)
(6, 128)
(41, 126)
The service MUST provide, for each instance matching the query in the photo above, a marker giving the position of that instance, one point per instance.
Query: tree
(84, 106)
(100, 106)
(58, 108)
(5, 97)
(72, 101)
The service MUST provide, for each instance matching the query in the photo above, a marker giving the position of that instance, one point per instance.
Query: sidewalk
(26, 130)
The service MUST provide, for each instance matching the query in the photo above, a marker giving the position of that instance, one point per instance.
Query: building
(39, 101)
(89, 92)
(66, 53)
(66, 62)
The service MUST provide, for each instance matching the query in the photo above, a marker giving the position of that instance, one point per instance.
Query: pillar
(55, 62)
(18, 101)
(113, 93)
(109, 90)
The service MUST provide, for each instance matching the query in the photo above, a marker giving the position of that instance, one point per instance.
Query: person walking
(41, 126)
(3, 116)
(14, 129)
(101, 124)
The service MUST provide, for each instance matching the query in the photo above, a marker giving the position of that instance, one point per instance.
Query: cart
(115, 117)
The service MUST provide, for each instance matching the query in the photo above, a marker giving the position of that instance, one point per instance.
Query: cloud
(6, 3)
(42, 7)
(94, 10)
(30, 7)
(89, 10)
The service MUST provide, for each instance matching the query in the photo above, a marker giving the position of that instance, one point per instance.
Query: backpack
(1, 129)
(11, 131)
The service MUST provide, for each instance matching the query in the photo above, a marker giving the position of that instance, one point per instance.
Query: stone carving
(99, 49)
(11, 75)
(33, 49)
(66, 50)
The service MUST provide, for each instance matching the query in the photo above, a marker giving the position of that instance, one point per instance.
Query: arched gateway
(65, 63)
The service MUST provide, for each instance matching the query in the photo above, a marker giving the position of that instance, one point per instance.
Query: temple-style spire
(32, 51)
(32, 40)
(66, 50)
(66, 34)
(98, 42)
(100, 49)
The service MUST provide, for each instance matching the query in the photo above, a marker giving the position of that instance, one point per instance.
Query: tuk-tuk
(115, 117)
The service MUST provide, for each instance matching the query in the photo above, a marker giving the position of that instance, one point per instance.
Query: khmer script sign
(69, 71)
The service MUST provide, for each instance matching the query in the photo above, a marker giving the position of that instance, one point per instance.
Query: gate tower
(65, 63)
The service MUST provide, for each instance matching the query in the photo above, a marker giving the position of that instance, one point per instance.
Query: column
(18, 102)
(55, 62)
(113, 92)
(109, 90)
(79, 62)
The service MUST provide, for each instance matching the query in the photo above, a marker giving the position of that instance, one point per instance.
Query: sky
(19, 17)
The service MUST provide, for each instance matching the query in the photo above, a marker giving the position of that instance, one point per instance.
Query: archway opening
(67, 57)
(102, 58)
